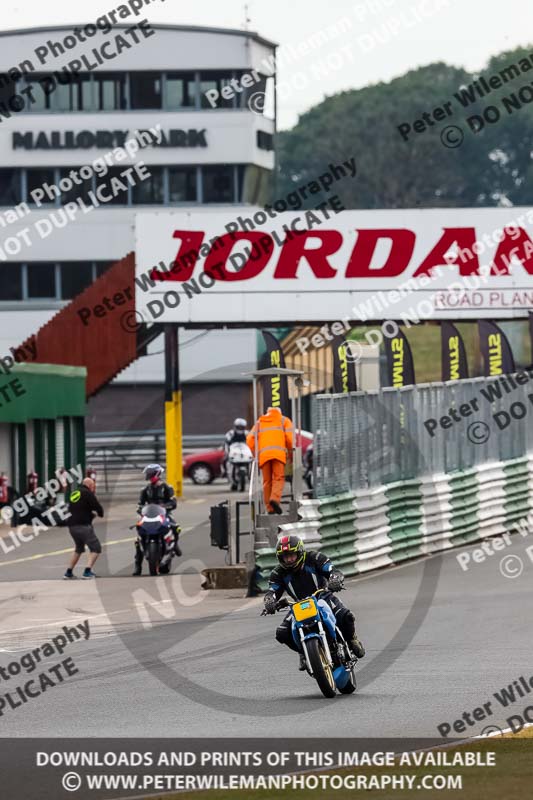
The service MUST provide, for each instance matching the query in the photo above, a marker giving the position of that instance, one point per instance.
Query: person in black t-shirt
(83, 506)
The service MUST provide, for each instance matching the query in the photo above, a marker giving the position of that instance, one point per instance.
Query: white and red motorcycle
(239, 460)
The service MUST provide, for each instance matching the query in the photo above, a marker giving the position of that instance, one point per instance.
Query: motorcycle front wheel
(322, 671)
(153, 556)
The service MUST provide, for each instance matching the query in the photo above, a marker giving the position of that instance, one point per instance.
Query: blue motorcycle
(328, 657)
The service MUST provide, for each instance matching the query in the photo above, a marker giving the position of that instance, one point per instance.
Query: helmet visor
(289, 558)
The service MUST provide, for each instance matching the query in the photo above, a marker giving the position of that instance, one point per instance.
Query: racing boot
(138, 561)
(303, 663)
(177, 548)
(357, 646)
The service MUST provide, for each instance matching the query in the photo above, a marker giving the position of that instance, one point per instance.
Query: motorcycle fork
(304, 649)
(324, 641)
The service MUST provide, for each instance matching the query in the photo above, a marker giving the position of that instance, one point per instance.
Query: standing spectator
(8, 495)
(82, 508)
(274, 439)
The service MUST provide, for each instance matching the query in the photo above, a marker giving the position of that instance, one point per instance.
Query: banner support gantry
(173, 410)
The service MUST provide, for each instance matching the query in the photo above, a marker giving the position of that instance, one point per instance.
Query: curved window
(141, 90)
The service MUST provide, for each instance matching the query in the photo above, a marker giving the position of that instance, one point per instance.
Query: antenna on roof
(247, 18)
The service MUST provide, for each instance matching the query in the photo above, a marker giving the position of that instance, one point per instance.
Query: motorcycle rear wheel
(322, 671)
(153, 556)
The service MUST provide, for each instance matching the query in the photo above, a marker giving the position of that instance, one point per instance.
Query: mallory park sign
(101, 139)
(245, 266)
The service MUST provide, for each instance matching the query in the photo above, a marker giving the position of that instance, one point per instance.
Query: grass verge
(510, 779)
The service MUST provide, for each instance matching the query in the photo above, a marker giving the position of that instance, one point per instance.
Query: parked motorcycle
(156, 538)
(239, 459)
(328, 657)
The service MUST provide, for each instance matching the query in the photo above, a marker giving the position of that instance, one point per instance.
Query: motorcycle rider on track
(236, 434)
(162, 494)
(300, 573)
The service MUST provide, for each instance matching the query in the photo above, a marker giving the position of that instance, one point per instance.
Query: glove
(336, 582)
(270, 603)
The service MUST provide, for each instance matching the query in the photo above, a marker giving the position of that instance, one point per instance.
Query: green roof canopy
(42, 391)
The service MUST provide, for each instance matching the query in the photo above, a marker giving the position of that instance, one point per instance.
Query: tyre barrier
(368, 529)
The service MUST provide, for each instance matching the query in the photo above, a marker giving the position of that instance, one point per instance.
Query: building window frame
(25, 284)
(128, 203)
(58, 296)
(195, 75)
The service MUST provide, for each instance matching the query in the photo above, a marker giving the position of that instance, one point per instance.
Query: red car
(202, 468)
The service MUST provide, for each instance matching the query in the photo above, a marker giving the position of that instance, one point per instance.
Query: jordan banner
(453, 353)
(495, 349)
(344, 378)
(401, 370)
(224, 266)
(275, 388)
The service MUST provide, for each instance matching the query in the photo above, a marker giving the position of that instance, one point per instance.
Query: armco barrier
(380, 526)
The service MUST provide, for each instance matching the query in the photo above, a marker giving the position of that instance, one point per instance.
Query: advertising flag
(495, 349)
(401, 370)
(275, 387)
(344, 377)
(453, 360)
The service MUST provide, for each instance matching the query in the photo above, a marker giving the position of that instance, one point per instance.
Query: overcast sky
(368, 40)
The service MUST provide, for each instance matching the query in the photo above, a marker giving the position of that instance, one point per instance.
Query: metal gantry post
(173, 410)
(297, 442)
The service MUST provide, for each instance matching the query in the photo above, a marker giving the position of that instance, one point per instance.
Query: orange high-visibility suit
(274, 439)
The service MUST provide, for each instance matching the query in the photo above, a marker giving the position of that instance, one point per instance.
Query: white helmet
(239, 423)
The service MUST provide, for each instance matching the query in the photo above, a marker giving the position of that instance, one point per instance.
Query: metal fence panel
(365, 439)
